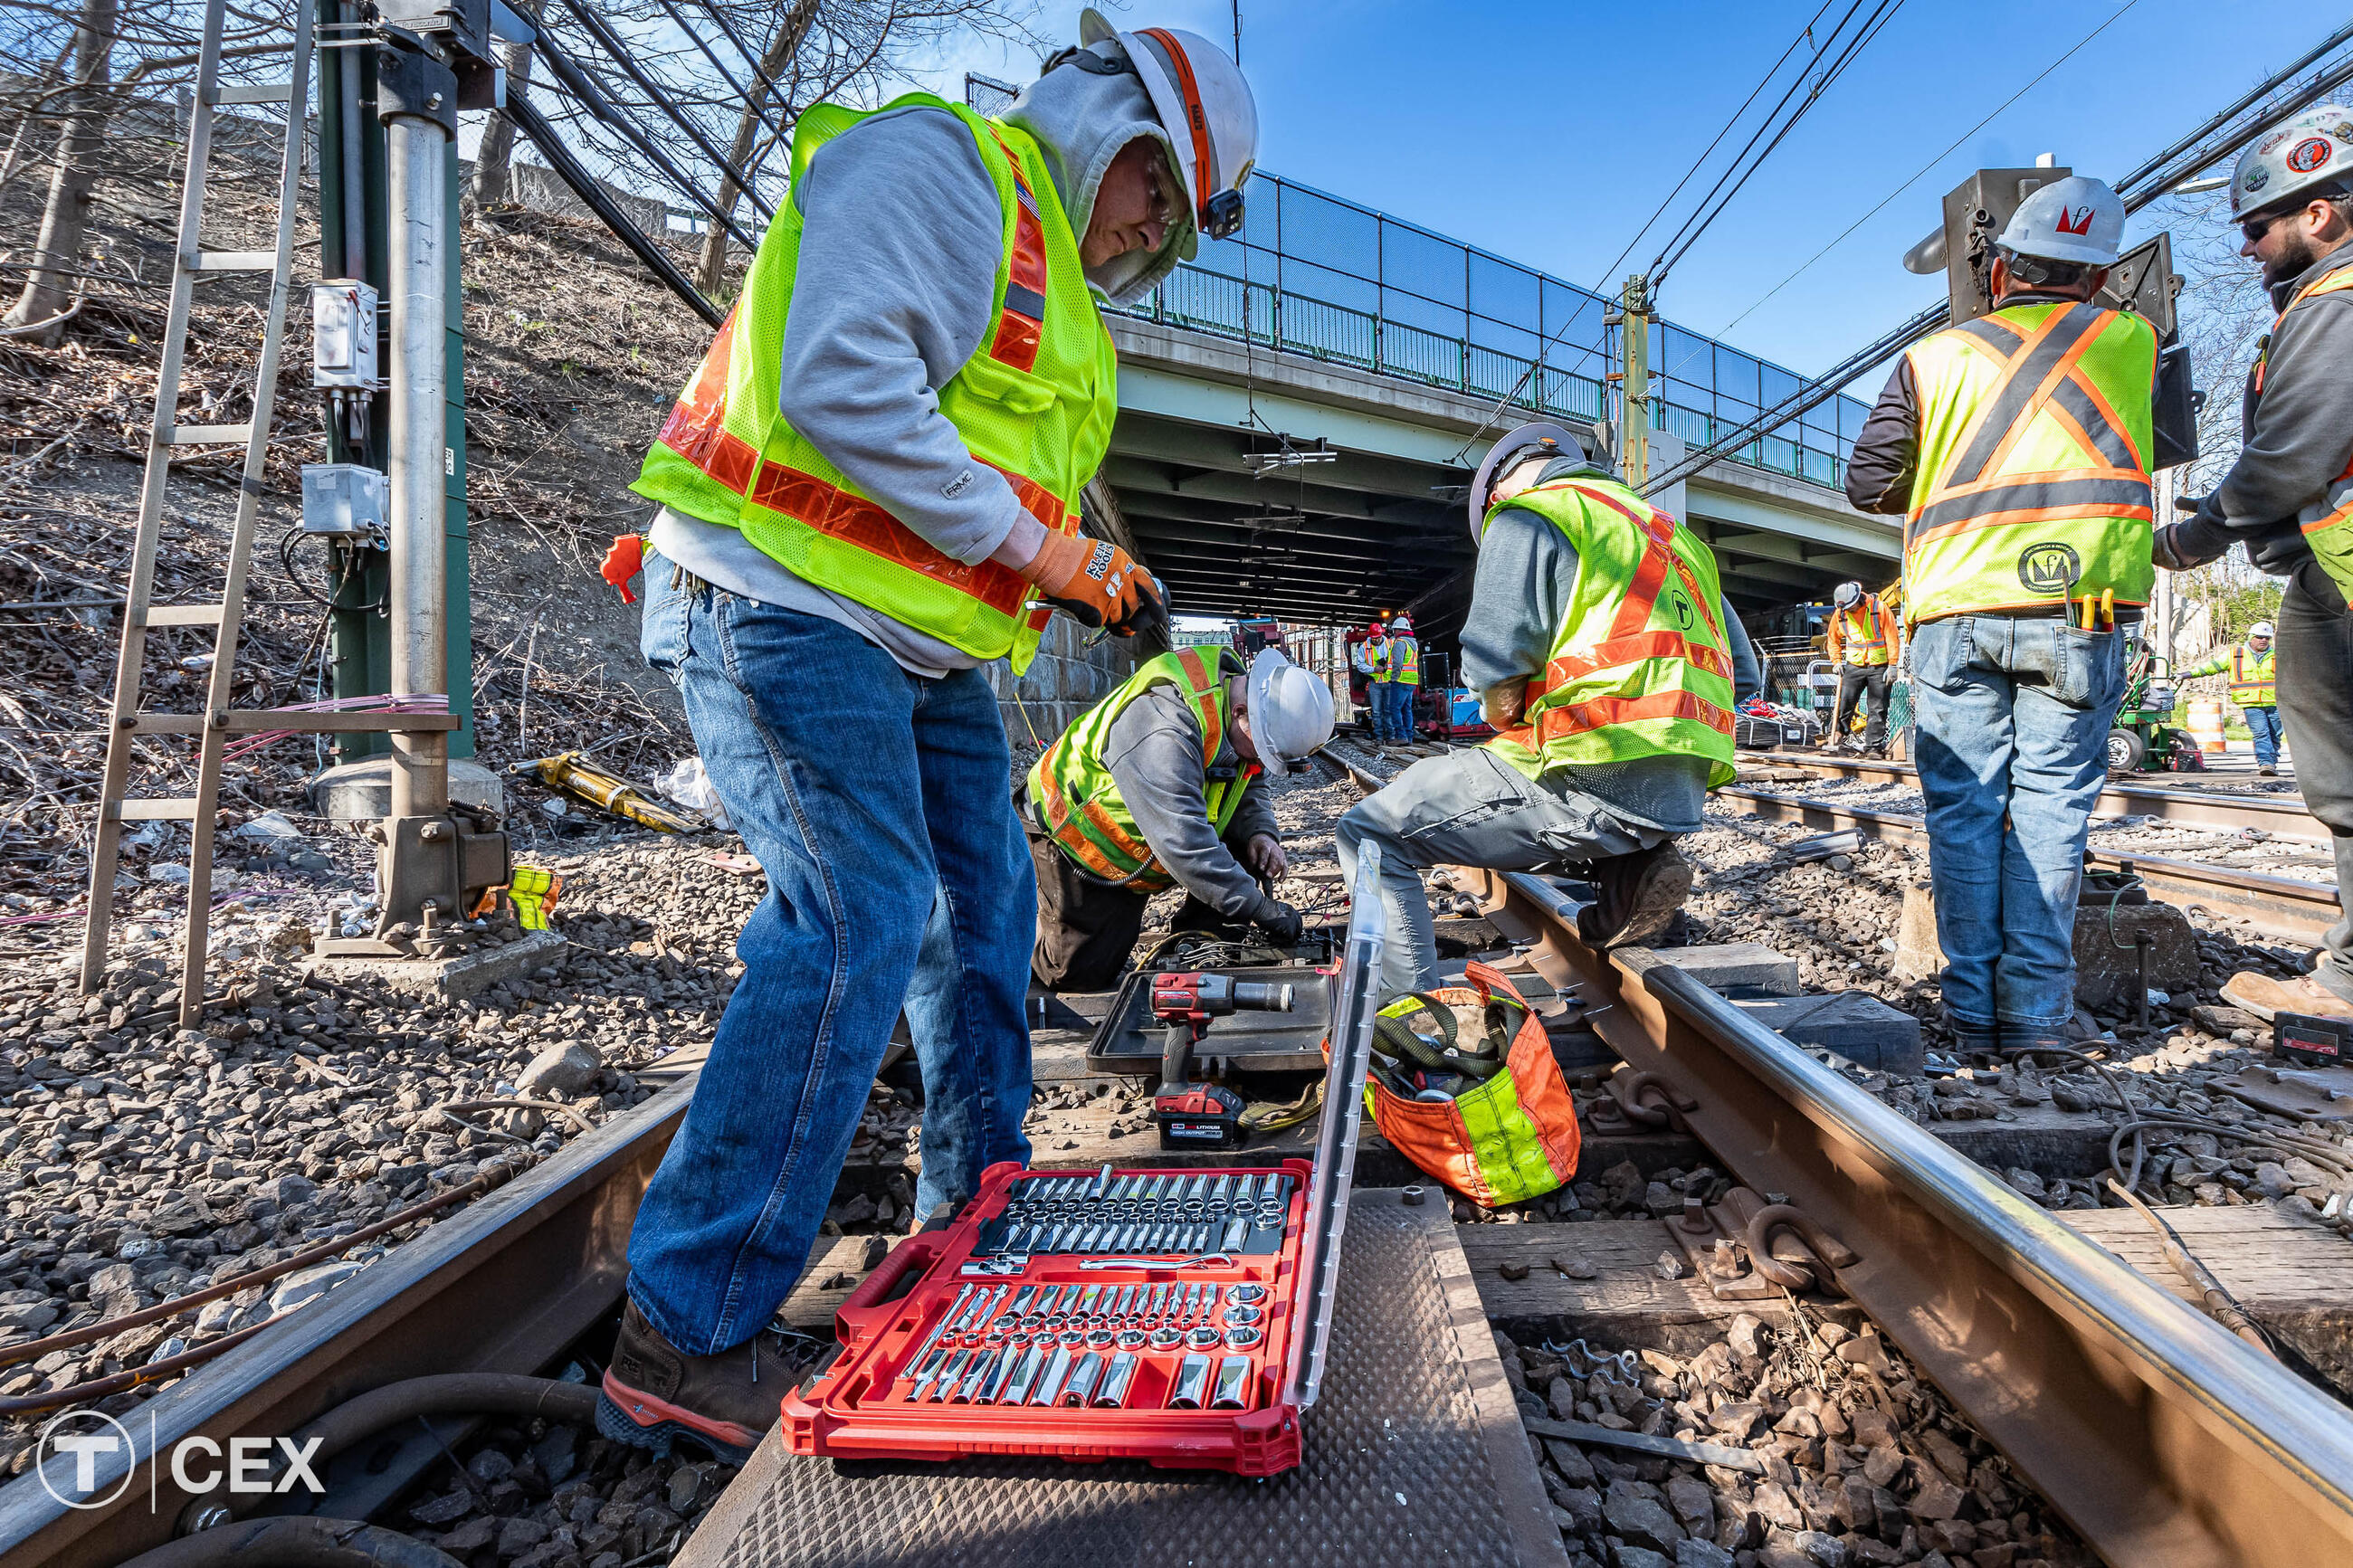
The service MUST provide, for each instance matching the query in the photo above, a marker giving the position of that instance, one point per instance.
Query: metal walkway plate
(1414, 1455)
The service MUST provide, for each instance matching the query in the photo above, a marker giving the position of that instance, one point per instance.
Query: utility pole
(1634, 444)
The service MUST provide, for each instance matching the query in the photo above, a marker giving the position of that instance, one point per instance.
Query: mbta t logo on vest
(2049, 568)
(1679, 609)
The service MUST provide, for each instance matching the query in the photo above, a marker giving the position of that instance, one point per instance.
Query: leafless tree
(494, 159)
(41, 311)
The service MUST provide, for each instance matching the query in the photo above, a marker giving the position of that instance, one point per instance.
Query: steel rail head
(2186, 1363)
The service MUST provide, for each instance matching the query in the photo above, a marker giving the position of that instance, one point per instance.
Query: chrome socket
(1017, 1390)
(1117, 1377)
(982, 1365)
(1081, 1389)
(1192, 1382)
(951, 1374)
(1232, 1391)
(1057, 1371)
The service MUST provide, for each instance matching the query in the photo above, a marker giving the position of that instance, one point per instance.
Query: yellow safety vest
(1035, 402)
(2033, 483)
(1405, 661)
(1079, 800)
(1862, 638)
(1638, 666)
(2331, 534)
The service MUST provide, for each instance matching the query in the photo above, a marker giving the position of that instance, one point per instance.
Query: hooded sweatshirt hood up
(1082, 112)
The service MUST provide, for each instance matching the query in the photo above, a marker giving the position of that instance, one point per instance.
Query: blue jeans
(1393, 711)
(2013, 720)
(2263, 724)
(878, 803)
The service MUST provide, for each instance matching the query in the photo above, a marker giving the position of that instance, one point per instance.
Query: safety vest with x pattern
(1638, 666)
(1077, 800)
(2033, 482)
(1035, 402)
(2330, 531)
(1863, 634)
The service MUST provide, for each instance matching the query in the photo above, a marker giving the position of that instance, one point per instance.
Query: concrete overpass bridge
(1376, 351)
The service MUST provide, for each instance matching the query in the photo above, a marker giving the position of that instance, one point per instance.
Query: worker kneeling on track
(1610, 666)
(1151, 789)
(876, 464)
(2016, 446)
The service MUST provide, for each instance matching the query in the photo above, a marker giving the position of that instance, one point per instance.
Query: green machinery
(2144, 738)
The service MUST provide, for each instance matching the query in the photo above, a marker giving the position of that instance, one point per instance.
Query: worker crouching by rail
(2016, 446)
(1150, 789)
(1610, 666)
(1864, 642)
(877, 463)
(2289, 496)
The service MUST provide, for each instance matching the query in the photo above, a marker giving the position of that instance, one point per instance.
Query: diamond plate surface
(1413, 1455)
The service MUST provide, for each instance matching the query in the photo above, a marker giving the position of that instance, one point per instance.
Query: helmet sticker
(2272, 143)
(2049, 568)
(2312, 153)
(2256, 179)
(2342, 130)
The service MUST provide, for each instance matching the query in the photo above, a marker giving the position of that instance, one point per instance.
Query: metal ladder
(217, 722)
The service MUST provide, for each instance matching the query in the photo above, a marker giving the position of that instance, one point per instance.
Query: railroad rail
(501, 1288)
(2162, 1438)
(2279, 818)
(2285, 906)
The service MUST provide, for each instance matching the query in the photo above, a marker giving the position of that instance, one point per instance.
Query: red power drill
(1202, 1115)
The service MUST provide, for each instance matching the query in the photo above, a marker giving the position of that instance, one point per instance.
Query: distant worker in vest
(2289, 496)
(1863, 644)
(2017, 447)
(1371, 659)
(1405, 680)
(1150, 789)
(1610, 665)
(2253, 689)
(866, 491)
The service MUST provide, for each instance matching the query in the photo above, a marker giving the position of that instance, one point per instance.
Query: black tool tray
(1129, 1039)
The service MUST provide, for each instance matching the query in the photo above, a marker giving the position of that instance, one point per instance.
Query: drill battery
(2311, 1041)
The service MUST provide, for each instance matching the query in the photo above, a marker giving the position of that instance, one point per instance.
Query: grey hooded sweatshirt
(908, 222)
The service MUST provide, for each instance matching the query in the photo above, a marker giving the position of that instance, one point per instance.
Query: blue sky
(1548, 133)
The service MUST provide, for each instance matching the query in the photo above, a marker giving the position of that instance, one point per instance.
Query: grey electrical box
(2143, 281)
(343, 334)
(1976, 212)
(345, 500)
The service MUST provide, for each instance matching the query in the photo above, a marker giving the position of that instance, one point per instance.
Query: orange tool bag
(1492, 1117)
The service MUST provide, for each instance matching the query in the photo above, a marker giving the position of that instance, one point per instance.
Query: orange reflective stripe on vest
(1068, 827)
(1023, 320)
(2040, 374)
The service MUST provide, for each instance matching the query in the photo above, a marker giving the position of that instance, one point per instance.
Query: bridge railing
(1317, 276)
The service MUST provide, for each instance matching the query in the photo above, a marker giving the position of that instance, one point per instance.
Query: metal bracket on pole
(1635, 327)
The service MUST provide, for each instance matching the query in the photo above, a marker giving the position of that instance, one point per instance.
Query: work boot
(2264, 996)
(655, 1392)
(1634, 896)
(2267, 772)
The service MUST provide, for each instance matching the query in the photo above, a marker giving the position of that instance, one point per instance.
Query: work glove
(2165, 549)
(1282, 923)
(1265, 856)
(1097, 582)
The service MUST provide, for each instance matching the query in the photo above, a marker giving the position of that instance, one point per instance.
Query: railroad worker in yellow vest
(1404, 682)
(1863, 644)
(1610, 665)
(864, 490)
(2289, 496)
(1150, 789)
(1372, 661)
(2253, 689)
(2017, 447)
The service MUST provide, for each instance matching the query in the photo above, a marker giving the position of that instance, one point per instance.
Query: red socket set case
(1178, 1316)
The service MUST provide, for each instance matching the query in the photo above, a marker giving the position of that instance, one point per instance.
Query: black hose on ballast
(295, 1540)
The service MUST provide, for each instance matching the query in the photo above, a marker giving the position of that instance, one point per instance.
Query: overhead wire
(602, 31)
(1712, 205)
(2080, 45)
(2145, 186)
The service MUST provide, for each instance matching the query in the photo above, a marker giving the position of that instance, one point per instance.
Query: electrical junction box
(343, 336)
(345, 500)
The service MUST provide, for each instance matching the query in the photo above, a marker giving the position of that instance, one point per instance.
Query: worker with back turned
(2254, 688)
(1150, 789)
(1405, 680)
(1863, 644)
(1610, 665)
(2017, 447)
(876, 467)
(2289, 496)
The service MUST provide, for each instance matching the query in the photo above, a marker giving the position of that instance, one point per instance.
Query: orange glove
(1094, 580)
(623, 562)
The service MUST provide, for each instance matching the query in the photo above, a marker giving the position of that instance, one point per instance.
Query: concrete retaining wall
(1063, 682)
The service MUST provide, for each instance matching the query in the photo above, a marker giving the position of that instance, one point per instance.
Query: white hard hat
(1205, 107)
(1401, 621)
(2077, 219)
(2260, 629)
(1290, 710)
(1847, 593)
(2311, 155)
